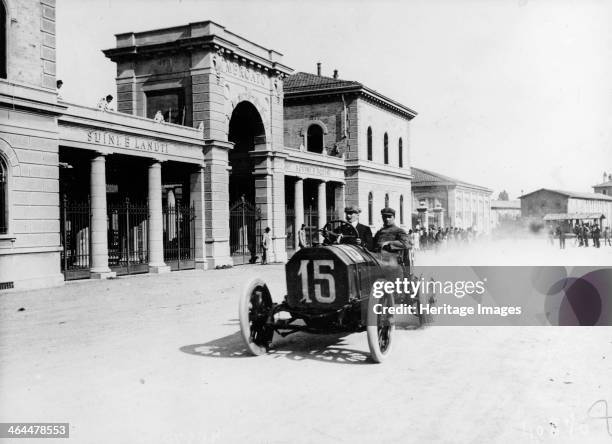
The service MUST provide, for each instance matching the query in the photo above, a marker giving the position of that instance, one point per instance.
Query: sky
(513, 95)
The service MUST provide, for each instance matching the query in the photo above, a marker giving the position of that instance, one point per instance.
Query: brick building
(346, 144)
(444, 201)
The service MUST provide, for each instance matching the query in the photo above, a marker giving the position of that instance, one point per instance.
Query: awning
(573, 216)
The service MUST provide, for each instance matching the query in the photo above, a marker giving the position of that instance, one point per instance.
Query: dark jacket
(396, 237)
(364, 232)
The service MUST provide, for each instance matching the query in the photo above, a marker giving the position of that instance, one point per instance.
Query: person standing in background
(302, 236)
(266, 243)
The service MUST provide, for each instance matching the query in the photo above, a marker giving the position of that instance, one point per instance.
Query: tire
(255, 308)
(380, 328)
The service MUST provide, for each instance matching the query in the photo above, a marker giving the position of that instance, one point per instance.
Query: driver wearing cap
(363, 231)
(391, 237)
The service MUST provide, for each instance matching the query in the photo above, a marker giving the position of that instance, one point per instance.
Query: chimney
(335, 73)
(319, 68)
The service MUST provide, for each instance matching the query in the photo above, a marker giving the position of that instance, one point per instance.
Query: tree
(503, 195)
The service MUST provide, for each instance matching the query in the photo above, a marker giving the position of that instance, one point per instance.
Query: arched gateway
(232, 89)
(247, 133)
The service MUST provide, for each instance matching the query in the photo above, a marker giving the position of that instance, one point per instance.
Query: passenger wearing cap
(391, 237)
(363, 231)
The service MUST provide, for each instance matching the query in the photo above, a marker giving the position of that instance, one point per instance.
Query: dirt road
(159, 359)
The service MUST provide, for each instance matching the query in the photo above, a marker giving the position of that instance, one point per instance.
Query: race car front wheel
(255, 309)
(381, 326)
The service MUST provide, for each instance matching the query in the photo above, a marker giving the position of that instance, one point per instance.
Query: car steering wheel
(333, 231)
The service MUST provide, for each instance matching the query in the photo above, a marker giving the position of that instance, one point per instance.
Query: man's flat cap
(352, 209)
(387, 210)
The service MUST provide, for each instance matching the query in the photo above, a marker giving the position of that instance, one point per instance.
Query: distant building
(503, 211)
(556, 205)
(605, 187)
(443, 201)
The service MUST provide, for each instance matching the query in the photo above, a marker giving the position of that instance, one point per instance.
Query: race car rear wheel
(381, 326)
(255, 312)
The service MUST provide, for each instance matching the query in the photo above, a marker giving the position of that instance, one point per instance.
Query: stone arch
(11, 162)
(315, 122)
(252, 100)
(10, 157)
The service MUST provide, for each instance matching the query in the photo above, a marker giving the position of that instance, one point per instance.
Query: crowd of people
(433, 238)
(390, 236)
(583, 233)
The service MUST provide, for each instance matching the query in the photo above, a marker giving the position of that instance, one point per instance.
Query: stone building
(440, 200)
(569, 206)
(82, 190)
(206, 149)
(29, 171)
(346, 144)
(203, 75)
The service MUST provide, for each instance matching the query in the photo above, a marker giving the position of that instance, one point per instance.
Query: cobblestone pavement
(159, 359)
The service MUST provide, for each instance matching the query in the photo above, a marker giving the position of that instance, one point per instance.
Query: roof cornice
(188, 44)
(359, 89)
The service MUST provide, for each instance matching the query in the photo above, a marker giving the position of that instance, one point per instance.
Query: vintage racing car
(329, 290)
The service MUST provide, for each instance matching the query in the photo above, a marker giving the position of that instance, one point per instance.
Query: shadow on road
(300, 346)
(231, 322)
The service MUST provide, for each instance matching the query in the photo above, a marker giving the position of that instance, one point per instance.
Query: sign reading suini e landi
(128, 142)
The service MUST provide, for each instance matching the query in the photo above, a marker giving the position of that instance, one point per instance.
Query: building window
(401, 208)
(370, 209)
(400, 153)
(171, 103)
(369, 143)
(3, 197)
(314, 139)
(3, 40)
(386, 149)
(386, 200)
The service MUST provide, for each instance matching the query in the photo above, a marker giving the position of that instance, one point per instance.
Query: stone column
(298, 207)
(216, 198)
(197, 197)
(156, 226)
(340, 200)
(279, 228)
(322, 206)
(99, 223)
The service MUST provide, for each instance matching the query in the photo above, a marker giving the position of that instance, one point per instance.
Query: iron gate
(127, 238)
(332, 214)
(74, 229)
(179, 236)
(290, 228)
(311, 220)
(245, 232)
